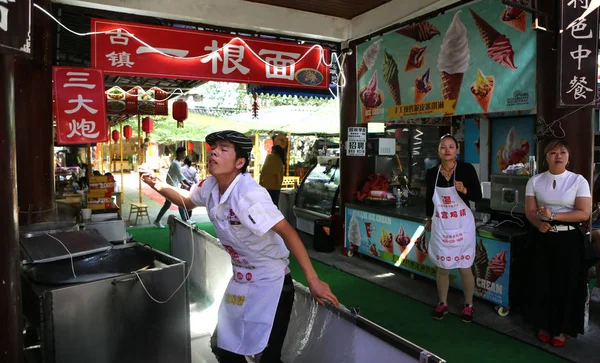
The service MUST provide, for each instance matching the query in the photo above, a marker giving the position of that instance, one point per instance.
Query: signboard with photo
(477, 59)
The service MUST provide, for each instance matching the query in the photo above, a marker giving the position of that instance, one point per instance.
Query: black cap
(236, 138)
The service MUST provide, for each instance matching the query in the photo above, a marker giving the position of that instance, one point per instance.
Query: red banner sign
(204, 55)
(136, 101)
(79, 105)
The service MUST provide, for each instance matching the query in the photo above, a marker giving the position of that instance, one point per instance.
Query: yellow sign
(431, 107)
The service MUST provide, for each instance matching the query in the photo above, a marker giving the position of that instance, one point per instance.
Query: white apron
(453, 235)
(247, 311)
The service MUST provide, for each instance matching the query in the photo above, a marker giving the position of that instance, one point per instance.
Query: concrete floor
(586, 348)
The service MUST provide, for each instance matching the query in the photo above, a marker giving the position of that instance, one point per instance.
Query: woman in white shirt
(556, 202)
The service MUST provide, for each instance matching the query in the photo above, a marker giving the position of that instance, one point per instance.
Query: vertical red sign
(80, 104)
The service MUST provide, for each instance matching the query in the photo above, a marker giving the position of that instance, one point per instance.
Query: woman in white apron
(450, 187)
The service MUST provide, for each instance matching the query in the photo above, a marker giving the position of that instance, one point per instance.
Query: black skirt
(557, 282)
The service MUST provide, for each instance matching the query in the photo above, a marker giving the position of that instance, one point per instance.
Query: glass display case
(318, 195)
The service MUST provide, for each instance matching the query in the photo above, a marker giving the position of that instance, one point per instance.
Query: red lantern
(115, 135)
(127, 132)
(147, 125)
(180, 112)
(190, 146)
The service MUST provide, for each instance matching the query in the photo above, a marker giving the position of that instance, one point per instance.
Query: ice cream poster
(512, 142)
(405, 244)
(477, 59)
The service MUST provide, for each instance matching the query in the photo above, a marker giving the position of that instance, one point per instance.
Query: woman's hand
(545, 212)
(460, 187)
(428, 225)
(544, 227)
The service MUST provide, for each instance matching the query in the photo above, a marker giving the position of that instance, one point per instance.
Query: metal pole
(139, 150)
(256, 157)
(287, 160)
(11, 336)
(109, 150)
(121, 142)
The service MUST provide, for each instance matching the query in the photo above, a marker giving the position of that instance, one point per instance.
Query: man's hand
(428, 225)
(148, 177)
(321, 291)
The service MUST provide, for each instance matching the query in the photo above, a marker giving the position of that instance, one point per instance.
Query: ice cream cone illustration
(483, 89)
(390, 76)
(423, 86)
(420, 32)
(369, 58)
(422, 245)
(354, 233)
(371, 98)
(387, 240)
(514, 151)
(416, 58)
(515, 18)
(453, 60)
(498, 45)
(496, 267)
(480, 266)
(402, 239)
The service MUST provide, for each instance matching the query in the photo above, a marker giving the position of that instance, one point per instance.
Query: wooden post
(139, 151)
(11, 321)
(89, 161)
(121, 142)
(109, 150)
(256, 157)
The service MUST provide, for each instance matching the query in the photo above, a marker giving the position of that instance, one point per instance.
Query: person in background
(191, 175)
(595, 298)
(254, 317)
(556, 202)
(448, 213)
(174, 178)
(271, 175)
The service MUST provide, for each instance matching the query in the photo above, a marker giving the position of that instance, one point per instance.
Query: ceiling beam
(231, 13)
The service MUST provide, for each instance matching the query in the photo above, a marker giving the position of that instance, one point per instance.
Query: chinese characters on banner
(79, 105)
(578, 52)
(357, 141)
(228, 59)
(15, 26)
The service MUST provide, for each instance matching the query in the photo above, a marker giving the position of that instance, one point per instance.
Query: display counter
(398, 237)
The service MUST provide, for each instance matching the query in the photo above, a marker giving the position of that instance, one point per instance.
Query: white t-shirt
(246, 210)
(561, 199)
(190, 174)
(174, 176)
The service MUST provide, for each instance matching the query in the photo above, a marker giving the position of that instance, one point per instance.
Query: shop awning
(287, 91)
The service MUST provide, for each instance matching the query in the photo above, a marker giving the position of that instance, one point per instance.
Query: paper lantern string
(255, 105)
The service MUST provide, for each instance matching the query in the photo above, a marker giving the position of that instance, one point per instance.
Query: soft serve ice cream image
(453, 60)
(514, 151)
(402, 239)
(371, 98)
(498, 45)
(483, 90)
(369, 58)
(387, 240)
(354, 233)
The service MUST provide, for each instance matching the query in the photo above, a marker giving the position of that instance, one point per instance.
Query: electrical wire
(191, 263)
(69, 252)
(520, 223)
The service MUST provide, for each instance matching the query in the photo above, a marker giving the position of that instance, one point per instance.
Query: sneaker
(189, 221)
(440, 311)
(158, 224)
(595, 295)
(467, 313)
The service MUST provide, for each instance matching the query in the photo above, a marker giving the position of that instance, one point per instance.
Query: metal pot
(40, 229)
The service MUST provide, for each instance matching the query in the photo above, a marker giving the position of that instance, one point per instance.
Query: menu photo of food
(371, 99)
